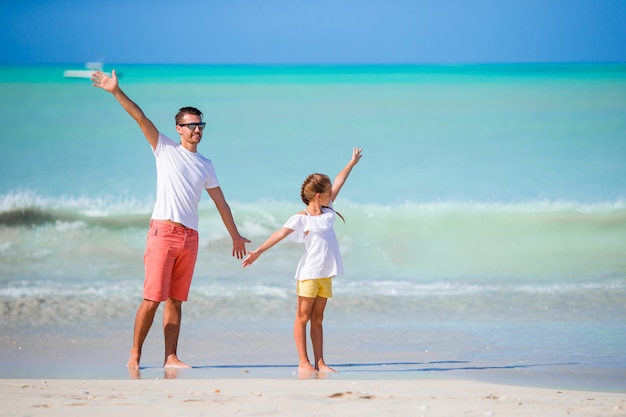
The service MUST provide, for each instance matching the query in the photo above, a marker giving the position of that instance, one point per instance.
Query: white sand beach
(281, 397)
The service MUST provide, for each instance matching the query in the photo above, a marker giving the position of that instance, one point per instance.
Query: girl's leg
(303, 315)
(317, 334)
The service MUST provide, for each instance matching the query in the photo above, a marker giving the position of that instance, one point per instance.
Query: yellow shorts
(311, 288)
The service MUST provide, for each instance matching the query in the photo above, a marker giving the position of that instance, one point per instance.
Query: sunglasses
(192, 126)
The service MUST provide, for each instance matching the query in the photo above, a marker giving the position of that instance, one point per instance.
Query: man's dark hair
(186, 110)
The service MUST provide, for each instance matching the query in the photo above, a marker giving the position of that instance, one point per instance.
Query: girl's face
(326, 196)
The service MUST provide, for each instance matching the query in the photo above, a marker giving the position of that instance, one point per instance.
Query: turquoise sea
(485, 232)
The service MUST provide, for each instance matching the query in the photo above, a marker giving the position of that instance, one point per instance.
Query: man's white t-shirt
(182, 176)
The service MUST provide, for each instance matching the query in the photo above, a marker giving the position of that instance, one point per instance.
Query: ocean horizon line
(332, 64)
(314, 73)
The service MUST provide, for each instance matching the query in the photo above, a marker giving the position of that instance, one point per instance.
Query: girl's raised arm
(341, 178)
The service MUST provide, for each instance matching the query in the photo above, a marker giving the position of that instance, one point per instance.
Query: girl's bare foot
(322, 367)
(305, 370)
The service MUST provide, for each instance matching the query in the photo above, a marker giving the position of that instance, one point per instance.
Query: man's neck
(189, 146)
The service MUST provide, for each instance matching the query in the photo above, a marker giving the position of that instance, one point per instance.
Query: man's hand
(101, 80)
(239, 247)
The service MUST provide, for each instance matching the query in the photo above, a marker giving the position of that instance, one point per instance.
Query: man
(172, 243)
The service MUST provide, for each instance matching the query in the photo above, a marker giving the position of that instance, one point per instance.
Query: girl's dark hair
(314, 184)
(186, 110)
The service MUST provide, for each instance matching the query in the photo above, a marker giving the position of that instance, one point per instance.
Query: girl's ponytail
(314, 184)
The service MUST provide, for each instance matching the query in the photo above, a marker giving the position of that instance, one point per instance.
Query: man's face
(188, 135)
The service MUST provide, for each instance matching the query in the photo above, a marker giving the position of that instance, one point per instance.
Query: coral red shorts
(169, 261)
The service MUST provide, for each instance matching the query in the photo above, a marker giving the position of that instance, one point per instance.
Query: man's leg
(143, 322)
(172, 317)
(181, 276)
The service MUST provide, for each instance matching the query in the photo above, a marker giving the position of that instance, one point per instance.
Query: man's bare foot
(134, 373)
(133, 360)
(172, 361)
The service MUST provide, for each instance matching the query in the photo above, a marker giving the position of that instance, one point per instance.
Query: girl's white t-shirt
(182, 176)
(322, 258)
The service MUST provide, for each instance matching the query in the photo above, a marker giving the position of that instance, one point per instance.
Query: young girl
(319, 264)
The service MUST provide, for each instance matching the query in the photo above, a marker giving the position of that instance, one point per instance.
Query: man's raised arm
(110, 84)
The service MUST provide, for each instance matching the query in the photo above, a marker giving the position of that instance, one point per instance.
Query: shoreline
(378, 353)
(228, 396)
(547, 376)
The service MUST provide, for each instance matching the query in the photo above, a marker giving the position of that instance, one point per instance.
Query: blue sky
(315, 31)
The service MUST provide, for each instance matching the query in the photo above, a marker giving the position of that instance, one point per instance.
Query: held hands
(101, 80)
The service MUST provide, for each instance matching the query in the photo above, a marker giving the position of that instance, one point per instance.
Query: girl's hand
(252, 256)
(356, 155)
